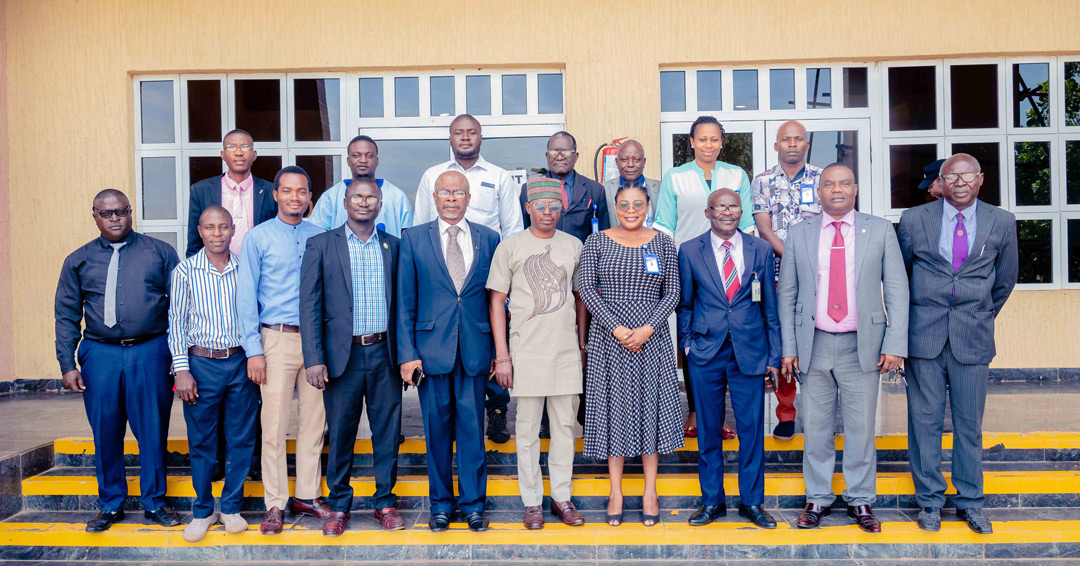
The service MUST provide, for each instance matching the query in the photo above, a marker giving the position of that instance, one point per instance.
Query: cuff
(180, 362)
(253, 348)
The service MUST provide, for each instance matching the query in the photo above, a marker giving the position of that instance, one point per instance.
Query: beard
(466, 154)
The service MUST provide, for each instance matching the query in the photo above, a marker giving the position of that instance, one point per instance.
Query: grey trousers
(834, 369)
(927, 383)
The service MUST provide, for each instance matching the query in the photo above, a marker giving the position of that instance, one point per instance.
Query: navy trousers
(497, 397)
(368, 380)
(710, 381)
(452, 406)
(128, 384)
(224, 389)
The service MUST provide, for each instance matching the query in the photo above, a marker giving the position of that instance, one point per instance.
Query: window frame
(284, 102)
(887, 209)
(290, 117)
(137, 92)
(1055, 180)
(1060, 106)
(1052, 77)
(1003, 97)
(1063, 236)
(1055, 249)
(939, 98)
(1063, 198)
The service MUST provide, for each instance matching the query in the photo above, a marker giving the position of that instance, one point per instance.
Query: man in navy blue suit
(443, 331)
(730, 332)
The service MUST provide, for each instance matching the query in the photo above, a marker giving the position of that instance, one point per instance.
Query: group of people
(557, 292)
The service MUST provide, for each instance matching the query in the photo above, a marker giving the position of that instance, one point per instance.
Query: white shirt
(494, 203)
(736, 253)
(464, 239)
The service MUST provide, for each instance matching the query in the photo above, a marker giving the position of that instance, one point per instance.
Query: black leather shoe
(864, 516)
(757, 516)
(103, 520)
(811, 516)
(163, 516)
(929, 519)
(976, 521)
(784, 431)
(439, 522)
(707, 514)
(496, 426)
(477, 521)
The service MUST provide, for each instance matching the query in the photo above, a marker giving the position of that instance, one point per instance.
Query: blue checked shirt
(202, 307)
(369, 288)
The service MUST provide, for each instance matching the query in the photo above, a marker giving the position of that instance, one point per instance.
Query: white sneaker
(196, 530)
(234, 523)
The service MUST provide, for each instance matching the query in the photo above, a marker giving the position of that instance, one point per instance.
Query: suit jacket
(881, 290)
(705, 316)
(207, 193)
(434, 321)
(611, 186)
(326, 299)
(576, 220)
(983, 283)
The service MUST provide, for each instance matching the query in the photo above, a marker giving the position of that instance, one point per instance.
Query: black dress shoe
(103, 520)
(864, 516)
(477, 521)
(163, 516)
(757, 516)
(976, 521)
(496, 426)
(811, 516)
(707, 514)
(439, 522)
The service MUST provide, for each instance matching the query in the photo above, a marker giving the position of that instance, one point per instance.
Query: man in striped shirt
(211, 373)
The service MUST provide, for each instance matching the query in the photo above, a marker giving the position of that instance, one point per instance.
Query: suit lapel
(341, 242)
(215, 192)
(388, 273)
(749, 255)
(710, 263)
(984, 226)
(257, 199)
(932, 226)
(475, 256)
(813, 240)
(862, 237)
(436, 246)
(579, 192)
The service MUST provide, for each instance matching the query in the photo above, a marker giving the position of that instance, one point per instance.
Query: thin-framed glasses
(967, 177)
(625, 205)
(370, 200)
(120, 212)
(245, 147)
(722, 208)
(459, 193)
(542, 205)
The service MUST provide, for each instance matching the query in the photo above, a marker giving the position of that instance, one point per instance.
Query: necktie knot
(453, 231)
(727, 245)
(960, 217)
(838, 224)
(117, 245)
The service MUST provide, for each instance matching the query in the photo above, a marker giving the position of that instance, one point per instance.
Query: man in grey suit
(631, 163)
(961, 255)
(843, 299)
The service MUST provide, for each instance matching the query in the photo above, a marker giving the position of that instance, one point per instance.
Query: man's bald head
(957, 191)
(452, 178)
(791, 145)
(110, 193)
(215, 212)
(714, 197)
(630, 160)
(955, 163)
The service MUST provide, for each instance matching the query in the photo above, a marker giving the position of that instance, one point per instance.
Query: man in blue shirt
(268, 298)
(395, 211)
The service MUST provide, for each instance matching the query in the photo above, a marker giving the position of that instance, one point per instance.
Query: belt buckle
(127, 342)
(219, 354)
(369, 339)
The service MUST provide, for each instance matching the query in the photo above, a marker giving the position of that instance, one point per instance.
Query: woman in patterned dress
(629, 279)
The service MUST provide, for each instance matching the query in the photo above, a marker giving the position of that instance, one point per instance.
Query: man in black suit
(585, 208)
(347, 306)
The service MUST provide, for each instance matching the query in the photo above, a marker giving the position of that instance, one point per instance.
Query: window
(672, 91)
(856, 91)
(819, 88)
(912, 98)
(442, 96)
(709, 91)
(746, 89)
(974, 90)
(1031, 95)
(781, 89)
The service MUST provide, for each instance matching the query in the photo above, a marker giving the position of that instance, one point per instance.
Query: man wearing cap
(931, 180)
(540, 363)
(630, 160)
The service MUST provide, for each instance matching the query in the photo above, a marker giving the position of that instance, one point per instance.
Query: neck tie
(959, 243)
(731, 277)
(110, 284)
(837, 276)
(455, 260)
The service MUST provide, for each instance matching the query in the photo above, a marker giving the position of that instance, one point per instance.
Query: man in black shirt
(118, 284)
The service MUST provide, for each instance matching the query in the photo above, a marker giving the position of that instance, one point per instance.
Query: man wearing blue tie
(730, 332)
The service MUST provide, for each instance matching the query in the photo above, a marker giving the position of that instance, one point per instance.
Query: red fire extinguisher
(606, 168)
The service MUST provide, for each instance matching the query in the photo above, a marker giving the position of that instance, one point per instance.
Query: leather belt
(130, 341)
(283, 328)
(214, 354)
(369, 339)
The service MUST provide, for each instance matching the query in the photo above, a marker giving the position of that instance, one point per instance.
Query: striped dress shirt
(202, 307)
(369, 288)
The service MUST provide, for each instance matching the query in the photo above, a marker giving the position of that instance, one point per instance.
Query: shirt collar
(640, 180)
(444, 225)
(951, 212)
(848, 219)
(481, 163)
(718, 242)
(799, 175)
(240, 187)
(201, 261)
(105, 242)
(352, 235)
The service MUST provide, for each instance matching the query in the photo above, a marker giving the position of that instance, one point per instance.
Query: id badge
(652, 263)
(806, 189)
(755, 289)
(596, 225)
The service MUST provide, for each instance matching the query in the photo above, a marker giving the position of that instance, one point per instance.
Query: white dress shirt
(736, 253)
(494, 202)
(464, 239)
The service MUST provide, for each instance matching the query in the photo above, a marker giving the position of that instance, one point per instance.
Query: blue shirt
(268, 288)
(395, 215)
(948, 226)
(202, 307)
(568, 182)
(369, 286)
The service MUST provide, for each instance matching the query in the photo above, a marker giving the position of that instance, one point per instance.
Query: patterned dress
(632, 403)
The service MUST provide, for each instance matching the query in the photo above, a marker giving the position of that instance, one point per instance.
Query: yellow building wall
(69, 100)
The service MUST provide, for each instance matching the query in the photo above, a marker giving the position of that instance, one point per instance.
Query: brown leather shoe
(390, 519)
(272, 522)
(317, 509)
(811, 516)
(534, 517)
(336, 523)
(565, 510)
(864, 516)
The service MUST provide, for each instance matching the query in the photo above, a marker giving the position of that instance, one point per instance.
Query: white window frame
(1063, 230)
(1060, 107)
(1055, 248)
(1063, 200)
(282, 78)
(939, 99)
(1002, 91)
(137, 92)
(1055, 180)
(225, 128)
(1052, 77)
(289, 117)
(886, 208)
(161, 224)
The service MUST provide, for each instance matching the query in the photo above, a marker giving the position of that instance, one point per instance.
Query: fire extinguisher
(607, 152)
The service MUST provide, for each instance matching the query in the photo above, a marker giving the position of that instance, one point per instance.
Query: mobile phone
(417, 377)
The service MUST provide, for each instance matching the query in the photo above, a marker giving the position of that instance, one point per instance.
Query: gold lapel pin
(385, 246)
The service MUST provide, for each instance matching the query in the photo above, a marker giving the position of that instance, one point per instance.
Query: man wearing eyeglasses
(586, 203)
(961, 256)
(395, 211)
(117, 285)
(630, 160)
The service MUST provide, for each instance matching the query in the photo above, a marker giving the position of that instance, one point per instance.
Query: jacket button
(459, 299)
(729, 310)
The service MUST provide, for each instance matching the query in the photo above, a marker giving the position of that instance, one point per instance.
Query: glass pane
(974, 96)
(1072, 93)
(258, 108)
(1073, 243)
(266, 167)
(403, 162)
(406, 96)
(204, 111)
(317, 105)
(371, 98)
(906, 164)
(516, 155)
(204, 167)
(1031, 95)
(1032, 173)
(1036, 250)
(159, 188)
(478, 95)
(167, 237)
(1072, 172)
(990, 161)
(324, 170)
(912, 98)
(708, 90)
(818, 88)
(514, 94)
(672, 91)
(746, 97)
(828, 147)
(551, 93)
(781, 89)
(856, 94)
(156, 110)
(442, 96)
(738, 150)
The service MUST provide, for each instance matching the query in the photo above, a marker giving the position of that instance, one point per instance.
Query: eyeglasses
(241, 147)
(445, 193)
(557, 153)
(967, 177)
(638, 205)
(371, 200)
(725, 208)
(120, 212)
(631, 160)
(542, 205)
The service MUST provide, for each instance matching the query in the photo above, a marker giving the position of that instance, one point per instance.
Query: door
(744, 145)
(845, 141)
